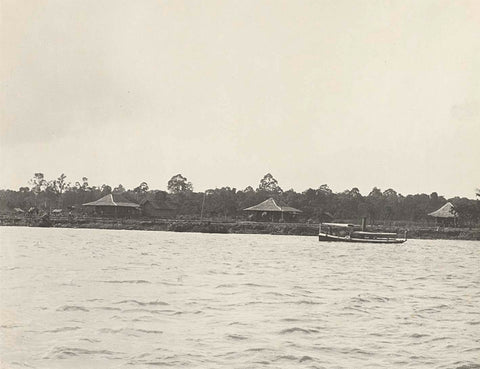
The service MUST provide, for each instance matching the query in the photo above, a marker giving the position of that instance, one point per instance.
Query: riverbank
(299, 229)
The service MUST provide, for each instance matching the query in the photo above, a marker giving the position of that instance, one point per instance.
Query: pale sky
(347, 93)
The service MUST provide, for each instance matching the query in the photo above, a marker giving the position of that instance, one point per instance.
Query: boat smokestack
(364, 223)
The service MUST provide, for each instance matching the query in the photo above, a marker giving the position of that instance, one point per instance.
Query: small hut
(113, 205)
(446, 215)
(156, 210)
(269, 210)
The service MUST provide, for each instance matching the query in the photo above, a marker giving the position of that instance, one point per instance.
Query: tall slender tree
(269, 184)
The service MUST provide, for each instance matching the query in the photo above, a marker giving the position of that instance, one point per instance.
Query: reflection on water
(113, 299)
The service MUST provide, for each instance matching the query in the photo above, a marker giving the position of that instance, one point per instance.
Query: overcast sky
(347, 93)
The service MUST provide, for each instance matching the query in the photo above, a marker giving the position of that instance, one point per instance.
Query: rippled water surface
(77, 298)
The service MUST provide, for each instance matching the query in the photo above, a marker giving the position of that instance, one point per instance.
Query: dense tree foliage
(269, 184)
(142, 188)
(227, 203)
(179, 183)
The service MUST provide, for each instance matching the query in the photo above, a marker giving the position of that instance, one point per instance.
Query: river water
(78, 298)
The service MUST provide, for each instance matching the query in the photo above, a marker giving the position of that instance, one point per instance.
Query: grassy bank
(301, 229)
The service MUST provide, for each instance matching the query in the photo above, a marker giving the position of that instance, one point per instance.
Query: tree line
(226, 203)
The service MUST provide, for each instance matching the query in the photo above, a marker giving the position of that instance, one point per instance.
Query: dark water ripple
(115, 299)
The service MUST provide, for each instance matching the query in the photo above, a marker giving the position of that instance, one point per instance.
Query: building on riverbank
(114, 205)
(154, 209)
(446, 216)
(269, 210)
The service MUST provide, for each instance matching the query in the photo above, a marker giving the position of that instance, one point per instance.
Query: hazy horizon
(345, 93)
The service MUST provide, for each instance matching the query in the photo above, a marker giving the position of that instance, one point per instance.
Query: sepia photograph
(240, 184)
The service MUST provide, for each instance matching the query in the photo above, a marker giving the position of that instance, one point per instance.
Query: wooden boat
(352, 233)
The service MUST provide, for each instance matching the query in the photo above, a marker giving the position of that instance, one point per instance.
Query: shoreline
(238, 227)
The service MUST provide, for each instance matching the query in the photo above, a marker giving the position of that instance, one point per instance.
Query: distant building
(446, 215)
(57, 212)
(269, 210)
(154, 209)
(114, 205)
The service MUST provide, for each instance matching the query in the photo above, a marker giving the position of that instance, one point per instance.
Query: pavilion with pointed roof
(272, 211)
(446, 215)
(113, 205)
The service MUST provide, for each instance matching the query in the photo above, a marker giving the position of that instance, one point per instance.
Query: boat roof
(377, 233)
(341, 225)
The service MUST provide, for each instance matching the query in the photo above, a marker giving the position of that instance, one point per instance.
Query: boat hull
(332, 238)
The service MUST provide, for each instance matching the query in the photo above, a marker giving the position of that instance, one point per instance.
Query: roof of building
(446, 211)
(155, 205)
(271, 205)
(113, 200)
(289, 209)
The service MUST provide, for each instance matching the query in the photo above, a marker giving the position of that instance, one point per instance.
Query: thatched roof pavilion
(270, 207)
(113, 204)
(446, 215)
(446, 211)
